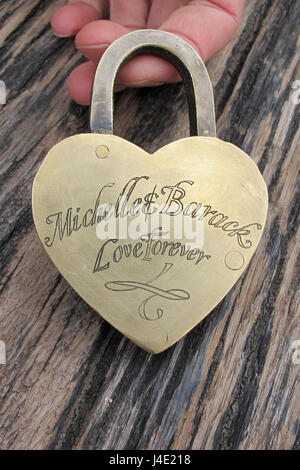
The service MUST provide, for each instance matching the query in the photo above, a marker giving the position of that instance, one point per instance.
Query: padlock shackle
(170, 47)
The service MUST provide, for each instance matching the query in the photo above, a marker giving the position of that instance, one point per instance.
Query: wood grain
(71, 381)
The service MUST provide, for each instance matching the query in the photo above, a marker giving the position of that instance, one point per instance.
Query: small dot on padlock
(102, 151)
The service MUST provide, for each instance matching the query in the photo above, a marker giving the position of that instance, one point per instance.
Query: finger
(69, 19)
(161, 10)
(209, 26)
(95, 37)
(132, 14)
(80, 81)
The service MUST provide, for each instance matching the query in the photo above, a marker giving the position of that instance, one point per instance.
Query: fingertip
(69, 19)
(95, 37)
(80, 81)
(148, 71)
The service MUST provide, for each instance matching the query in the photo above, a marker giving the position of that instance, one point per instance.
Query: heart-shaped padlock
(151, 242)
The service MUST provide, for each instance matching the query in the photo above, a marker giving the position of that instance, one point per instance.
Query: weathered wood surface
(71, 380)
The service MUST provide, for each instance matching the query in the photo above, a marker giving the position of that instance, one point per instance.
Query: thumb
(208, 25)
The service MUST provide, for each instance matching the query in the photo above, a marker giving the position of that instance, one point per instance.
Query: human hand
(206, 24)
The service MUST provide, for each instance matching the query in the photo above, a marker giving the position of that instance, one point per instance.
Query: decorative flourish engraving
(171, 294)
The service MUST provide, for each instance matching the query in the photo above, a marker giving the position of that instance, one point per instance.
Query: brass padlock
(151, 242)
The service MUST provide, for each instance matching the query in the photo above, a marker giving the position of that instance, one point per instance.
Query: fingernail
(96, 46)
(61, 35)
(142, 82)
